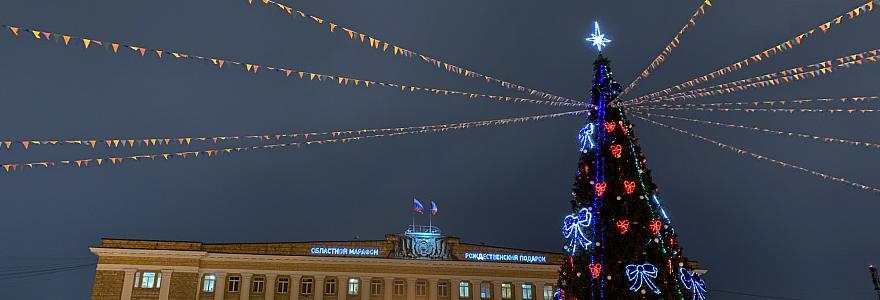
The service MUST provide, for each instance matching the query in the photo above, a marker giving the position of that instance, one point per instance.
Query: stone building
(420, 264)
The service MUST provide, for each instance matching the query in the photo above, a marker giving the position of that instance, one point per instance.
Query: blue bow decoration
(585, 136)
(573, 227)
(692, 281)
(641, 275)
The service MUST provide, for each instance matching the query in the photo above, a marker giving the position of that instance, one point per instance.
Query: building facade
(420, 264)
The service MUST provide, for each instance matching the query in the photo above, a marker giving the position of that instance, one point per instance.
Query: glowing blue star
(598, 39)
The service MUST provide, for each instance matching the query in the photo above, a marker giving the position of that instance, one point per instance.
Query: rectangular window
(259, 285)
(147, 280)
(376, 287)
(443, 289)
(548, 292)
(354, 286)
(306, 286)
(234, 284)
(399, 287)
(421, 288)
(485, 290)
(283, 285)
(208, 283)
(330, 287)
(464, 289)
(506, 291)
(527, 291)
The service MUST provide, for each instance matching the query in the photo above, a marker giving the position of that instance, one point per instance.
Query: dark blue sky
(758, 227)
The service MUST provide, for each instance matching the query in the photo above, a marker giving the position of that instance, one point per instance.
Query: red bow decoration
(616, 150)
(630, 186)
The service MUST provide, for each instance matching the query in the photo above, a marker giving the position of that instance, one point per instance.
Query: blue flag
(434, 208)
(417, 206)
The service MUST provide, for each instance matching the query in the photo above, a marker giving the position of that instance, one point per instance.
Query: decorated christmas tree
(620, 242)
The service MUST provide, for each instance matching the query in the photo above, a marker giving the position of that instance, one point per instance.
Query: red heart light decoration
(609, 126)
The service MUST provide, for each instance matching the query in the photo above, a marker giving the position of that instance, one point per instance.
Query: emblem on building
(422, 242)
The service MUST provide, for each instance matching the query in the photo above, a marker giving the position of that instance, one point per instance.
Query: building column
(432, 288)
(341, 287)
(127, 284)
(539, 294)
(517, 290)
(475, 289)
(244, 290)
(219, 286)
(411, 288)
(269, 289)
(366, 287)
(165, 284)
(319, 287)
(496, 290)
(293, 289)
(389, 286)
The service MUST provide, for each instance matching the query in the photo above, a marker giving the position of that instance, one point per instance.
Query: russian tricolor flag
(434, 208)
(417, 206)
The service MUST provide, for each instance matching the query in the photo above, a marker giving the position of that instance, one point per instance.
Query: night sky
(759, 228)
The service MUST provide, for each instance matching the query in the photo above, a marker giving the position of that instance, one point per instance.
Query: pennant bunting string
(867, 7)
(676, 41)
(772, 103)
(390, 48)
(773, 79)
(772, 131)
(188, 140)
(113, 160)
(771, 110)
(741, 151)
(303, 75)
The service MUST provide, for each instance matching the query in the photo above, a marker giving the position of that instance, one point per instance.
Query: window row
(307, 286)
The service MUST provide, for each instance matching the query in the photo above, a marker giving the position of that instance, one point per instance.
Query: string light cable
(757, 156)
(386, 46)
(187, 140)
(676, 41)
(772, 79)
(284, 71)
(774, 103)
(772, 131)
(770, 110)
(861, 10)
(113, 160)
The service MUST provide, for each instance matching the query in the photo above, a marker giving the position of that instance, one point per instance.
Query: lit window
(234, 284)
(306, 286)
(208, 283)
(464, 289)
(376, 287)
(527, 291)
(506, 291)
(485, 290)
(147, 280)
(354, 286)
(399, 287)
(283, 285)
(443, 289)
(259, 285)
(330, 286)
(548, 292)
(421, 288)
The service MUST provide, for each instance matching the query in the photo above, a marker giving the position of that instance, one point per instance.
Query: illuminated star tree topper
(597, 38)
